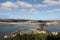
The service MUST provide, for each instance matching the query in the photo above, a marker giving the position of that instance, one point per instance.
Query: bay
(8, 28)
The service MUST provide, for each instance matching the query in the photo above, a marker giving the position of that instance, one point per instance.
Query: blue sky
(30, 9)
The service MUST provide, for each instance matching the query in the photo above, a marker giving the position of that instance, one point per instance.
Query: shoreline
(31, 31)
(32, 23)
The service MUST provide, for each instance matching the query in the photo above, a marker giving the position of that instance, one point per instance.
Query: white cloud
(24, 11)
(24, 4)
(45, 4)
(32, 10)
(39, 5)
(27, 11)
(8, 5)
(51, 2)
(27, 5)
(55, 10)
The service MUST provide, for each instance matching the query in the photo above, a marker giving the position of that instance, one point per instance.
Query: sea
(9, 28)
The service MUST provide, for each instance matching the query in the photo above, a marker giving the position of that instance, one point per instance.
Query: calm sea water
(5, 28)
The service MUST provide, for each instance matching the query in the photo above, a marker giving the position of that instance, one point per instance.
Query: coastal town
(37, 22)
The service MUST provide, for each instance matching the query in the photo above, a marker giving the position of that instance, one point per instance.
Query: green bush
(47, 36)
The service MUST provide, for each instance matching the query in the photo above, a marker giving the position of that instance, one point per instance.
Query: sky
(30, 9)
